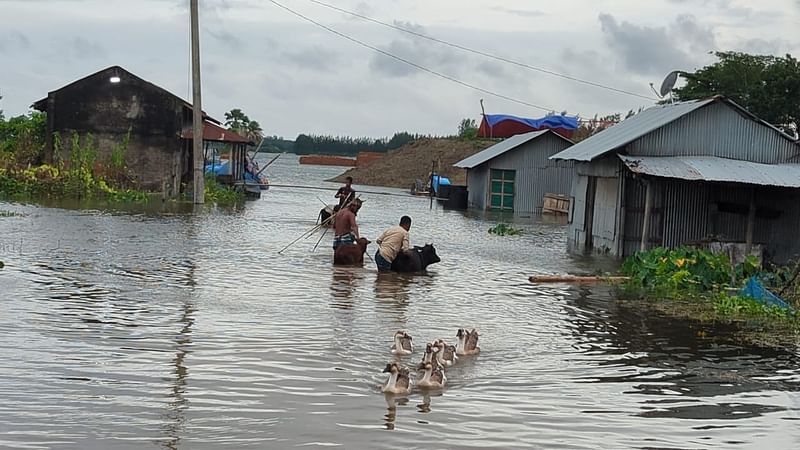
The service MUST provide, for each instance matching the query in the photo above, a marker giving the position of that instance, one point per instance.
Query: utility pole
(197, 111)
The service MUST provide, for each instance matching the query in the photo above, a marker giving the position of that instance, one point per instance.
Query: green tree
(252, 130)
(236, 120)
(768, 86)
(468, 129)
(23, 137)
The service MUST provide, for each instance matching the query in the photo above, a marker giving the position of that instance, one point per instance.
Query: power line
(478, 52)
(410, 63)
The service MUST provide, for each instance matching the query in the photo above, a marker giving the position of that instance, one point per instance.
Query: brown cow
(351, 255)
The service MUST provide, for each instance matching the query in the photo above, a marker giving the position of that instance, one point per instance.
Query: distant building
(515, 174)
(692, 172)
(113, 102)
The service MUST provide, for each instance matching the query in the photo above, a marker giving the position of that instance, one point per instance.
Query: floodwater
(158, 328)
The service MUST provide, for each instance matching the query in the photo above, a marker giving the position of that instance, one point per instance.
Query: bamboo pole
(648, 207)
(268, 164)
(313, 230)
(576, 279)
(751, 223)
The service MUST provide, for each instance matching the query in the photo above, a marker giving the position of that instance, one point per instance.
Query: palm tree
(252, 130)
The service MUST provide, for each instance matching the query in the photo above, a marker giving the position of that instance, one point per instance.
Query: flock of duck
(430, 371)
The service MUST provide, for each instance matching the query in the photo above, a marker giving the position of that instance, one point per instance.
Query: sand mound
(400, 168)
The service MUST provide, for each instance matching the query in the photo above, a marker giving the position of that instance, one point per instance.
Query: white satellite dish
(669, 83)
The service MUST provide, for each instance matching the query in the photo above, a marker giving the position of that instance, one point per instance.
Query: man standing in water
(345, 193)
(345, 227)
(391, 242)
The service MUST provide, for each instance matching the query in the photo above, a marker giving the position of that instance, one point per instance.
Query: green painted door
(501, 197)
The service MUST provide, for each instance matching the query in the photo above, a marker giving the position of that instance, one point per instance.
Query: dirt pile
(402, 167)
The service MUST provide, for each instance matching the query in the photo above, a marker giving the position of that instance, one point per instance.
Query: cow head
(363, 243)
(429, 256)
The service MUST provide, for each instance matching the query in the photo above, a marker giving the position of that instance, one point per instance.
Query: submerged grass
(695, 284)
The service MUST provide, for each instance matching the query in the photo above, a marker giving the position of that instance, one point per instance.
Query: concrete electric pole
(197, 111)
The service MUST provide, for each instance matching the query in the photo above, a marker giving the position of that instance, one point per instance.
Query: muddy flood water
(162, 328)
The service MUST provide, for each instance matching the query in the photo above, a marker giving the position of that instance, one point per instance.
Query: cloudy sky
(295, 77)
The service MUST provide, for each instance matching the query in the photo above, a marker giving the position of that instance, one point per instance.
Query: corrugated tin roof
(629, 130)
(642, 123)
(713, 168)
(213, 132)
(502, 147)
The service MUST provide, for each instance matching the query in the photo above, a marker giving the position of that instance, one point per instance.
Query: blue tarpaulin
(570, 123)
(755, 290)
(218, 168)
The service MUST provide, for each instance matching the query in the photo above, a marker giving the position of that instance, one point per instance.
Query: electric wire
(408, 62)
(482, 53)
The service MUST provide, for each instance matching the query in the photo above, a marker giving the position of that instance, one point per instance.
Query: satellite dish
(669, 83)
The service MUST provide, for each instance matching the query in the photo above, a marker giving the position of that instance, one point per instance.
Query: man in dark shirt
(345, 193)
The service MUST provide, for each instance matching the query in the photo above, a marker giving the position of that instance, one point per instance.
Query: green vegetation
(502, 229)
(767, 86)
(349, 146)
(703, 286)
(24, 175)
(220, 194)
(276, 144)
(468, 129)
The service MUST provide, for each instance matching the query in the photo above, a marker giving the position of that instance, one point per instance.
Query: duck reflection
(392, 401)
(344, 284)
(425, 406)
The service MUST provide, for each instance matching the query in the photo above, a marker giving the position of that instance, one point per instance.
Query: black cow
(416, 259)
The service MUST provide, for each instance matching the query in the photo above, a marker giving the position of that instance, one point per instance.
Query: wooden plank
(576, 279)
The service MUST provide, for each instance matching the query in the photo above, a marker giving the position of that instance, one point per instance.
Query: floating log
(576, 279)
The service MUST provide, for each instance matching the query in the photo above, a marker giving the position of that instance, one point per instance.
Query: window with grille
(502, 190)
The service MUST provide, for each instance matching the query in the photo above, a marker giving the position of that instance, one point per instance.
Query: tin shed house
(114, 105)
(686, 173)
(516, 174)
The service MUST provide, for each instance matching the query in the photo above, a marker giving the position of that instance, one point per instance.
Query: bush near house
(702, 277)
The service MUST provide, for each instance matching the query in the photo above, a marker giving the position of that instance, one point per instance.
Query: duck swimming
(446, 355)
(433, 377)
(402, 344)
(467, 342)
(430, 350)
(399, 380)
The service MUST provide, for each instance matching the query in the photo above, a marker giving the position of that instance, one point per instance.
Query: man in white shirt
(391, 242)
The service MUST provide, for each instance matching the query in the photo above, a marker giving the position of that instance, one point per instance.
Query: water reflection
(175, 416)
(345, 281)
(392, 402)
(677, 369)
(425, 406)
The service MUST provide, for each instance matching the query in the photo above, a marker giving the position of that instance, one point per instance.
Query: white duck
(399, 380)
(446, 354)
(402, 344)
(467, 342)
(432, 378)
